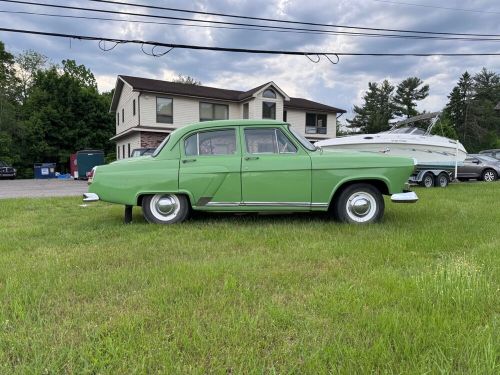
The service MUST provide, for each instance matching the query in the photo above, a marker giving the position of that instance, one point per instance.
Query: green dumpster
(88, 159)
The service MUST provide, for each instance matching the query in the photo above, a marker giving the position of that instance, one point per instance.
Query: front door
(275, 172)
(210, 167)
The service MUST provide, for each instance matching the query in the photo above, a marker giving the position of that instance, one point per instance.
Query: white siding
(134, 139)
(185, 110)
(297, 118)
(125, 103)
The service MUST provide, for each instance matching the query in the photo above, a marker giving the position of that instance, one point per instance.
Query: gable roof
(175, 88)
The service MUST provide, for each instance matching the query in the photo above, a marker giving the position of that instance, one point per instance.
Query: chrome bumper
(90, 197)
(408, 197)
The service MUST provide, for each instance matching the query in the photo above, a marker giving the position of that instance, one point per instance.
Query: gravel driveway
(41, 188)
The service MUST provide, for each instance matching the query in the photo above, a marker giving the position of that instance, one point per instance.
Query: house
(147, 110)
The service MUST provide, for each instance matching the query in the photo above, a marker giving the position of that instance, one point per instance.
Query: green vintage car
(251, 166)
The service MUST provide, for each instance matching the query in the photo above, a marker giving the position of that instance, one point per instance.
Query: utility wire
(344, 33)
(435, 7)
(236, 23)
(238, 50)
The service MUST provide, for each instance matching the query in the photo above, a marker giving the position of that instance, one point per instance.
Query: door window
(215, 142)
(268, 141)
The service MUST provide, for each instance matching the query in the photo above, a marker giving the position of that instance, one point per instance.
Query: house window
(246, 111)
(128, 151)
(117, 152)
(164, 110)
(269, 110)
(315, 123)
(123, 114)
(211, 111)
(268, 141)
(219, 142)
(269, 94)
(285, 116)
(117, 118)
(123, 151)
(133, 107)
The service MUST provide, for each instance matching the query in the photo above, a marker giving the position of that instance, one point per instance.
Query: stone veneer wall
(151, 140)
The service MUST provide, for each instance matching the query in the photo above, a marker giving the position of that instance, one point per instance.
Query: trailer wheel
(442, 180)
(427, 180)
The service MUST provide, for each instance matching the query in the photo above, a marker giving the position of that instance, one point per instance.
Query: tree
(28, 64)
(79, 73)
(377, 110)
(187, 80)
(408, 93)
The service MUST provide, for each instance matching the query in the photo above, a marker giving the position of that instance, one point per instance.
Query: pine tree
(377, 110)
(408, 93)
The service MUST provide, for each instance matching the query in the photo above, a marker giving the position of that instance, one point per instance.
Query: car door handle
(188, 161)
(251, 157)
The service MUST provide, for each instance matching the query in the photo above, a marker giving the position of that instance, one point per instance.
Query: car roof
(224, 123)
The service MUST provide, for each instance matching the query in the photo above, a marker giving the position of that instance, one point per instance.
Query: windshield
(414, 131)
(160, 147)
(487, 158)
(302, 140)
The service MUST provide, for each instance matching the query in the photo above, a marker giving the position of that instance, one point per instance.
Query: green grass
(418, 293)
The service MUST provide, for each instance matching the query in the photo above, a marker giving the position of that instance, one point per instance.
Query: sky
(341, 85)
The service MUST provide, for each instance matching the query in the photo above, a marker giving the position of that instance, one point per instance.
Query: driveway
(41, 188)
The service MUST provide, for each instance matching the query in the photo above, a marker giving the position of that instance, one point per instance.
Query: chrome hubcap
(489, 176)
(165, 207)
(428, 181)
(361, 207)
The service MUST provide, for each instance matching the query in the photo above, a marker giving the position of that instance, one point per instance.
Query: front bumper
(90, 197)
(406, 197)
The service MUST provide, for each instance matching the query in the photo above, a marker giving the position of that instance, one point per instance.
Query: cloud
(340, 85)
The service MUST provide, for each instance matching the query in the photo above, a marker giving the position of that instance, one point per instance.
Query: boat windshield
(408, 130)
(2, 164)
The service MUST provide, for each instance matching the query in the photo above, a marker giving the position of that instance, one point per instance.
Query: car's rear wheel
(489, 175)
(427, 180)
(165, 208)
(442, 180)
(359, 204)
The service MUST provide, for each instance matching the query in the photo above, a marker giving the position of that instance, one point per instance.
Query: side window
(268, 141)
(216, 142)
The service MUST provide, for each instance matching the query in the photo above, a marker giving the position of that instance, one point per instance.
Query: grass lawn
(418, 293)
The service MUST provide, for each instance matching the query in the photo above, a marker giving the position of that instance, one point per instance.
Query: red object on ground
(73, 166)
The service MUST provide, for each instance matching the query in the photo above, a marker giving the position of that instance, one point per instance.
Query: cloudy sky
(340, 85)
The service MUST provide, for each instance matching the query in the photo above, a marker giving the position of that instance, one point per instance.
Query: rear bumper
(406, 197)
(90, 197)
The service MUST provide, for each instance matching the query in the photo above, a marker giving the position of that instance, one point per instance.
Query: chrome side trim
(266, 204)
(408, 197)
(90, 197)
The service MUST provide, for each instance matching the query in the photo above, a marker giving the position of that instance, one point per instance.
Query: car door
(276, 172)
(210, 167)
(470, 168)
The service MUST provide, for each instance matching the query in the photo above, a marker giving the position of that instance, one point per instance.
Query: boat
(403, 139)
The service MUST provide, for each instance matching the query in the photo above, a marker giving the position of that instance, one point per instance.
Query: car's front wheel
(165, 208)
(359, 204)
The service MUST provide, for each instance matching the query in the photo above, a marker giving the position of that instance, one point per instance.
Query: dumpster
(86, 160)
(45, 170)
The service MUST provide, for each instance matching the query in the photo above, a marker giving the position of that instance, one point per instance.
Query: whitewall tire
(165, 208)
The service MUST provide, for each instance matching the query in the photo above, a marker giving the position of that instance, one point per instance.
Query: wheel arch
(378, 183)
(140, 196)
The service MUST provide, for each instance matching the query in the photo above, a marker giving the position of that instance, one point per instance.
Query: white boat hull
(432, 151)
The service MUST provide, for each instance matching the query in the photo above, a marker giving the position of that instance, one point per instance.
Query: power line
(239, 50)
(240, 24)
(344, 33)
(434, 7)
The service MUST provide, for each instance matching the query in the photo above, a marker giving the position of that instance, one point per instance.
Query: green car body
(301, 179)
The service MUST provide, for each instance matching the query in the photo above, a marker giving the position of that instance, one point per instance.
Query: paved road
(41, 188)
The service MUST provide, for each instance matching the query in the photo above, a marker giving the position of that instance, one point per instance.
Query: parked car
(495, 153)
(142, 152)
(479, 166)
(251, 166)
(7, 171)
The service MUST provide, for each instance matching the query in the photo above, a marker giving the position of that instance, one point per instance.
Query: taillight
(90, 175)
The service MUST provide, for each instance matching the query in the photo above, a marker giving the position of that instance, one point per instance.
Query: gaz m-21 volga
(251, 166)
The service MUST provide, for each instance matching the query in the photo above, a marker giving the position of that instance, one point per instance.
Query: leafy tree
(28, 64)
(80, 73)
(377, 109)
(408, 93)
(187, 80)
